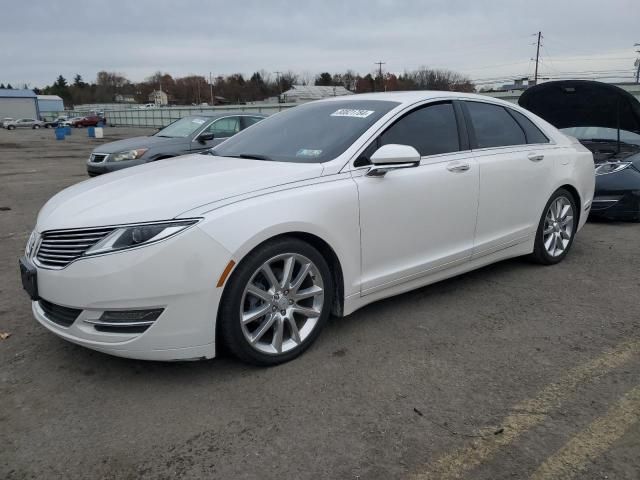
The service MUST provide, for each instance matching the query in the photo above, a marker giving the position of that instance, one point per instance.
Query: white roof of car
(413, 96)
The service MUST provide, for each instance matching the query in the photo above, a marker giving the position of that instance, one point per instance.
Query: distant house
(159, 97)
(50, 104)
(308, 93)
(124, 98)
(16, 104)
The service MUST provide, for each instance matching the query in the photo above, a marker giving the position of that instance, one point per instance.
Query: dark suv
(191, 134)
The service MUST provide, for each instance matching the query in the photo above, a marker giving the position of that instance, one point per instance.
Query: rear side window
(493, 126)
(533, 133)
(430, 130)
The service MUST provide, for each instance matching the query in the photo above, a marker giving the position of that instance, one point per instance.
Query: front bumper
(178, 275)
(98, 168)
(617, 196)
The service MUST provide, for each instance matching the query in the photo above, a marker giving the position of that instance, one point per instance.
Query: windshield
(182, 128)
(312, 133)
(602, 133)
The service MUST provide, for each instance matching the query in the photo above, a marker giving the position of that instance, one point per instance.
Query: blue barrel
(67, 130)
(60, 133)
(91, 131)
(100, 124)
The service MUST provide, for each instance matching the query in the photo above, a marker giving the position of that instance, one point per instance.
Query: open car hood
(581, 103)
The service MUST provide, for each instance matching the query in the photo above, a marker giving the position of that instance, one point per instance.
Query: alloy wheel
(558, 226)
(281, 304)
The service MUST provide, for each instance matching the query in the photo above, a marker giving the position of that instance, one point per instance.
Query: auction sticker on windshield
(350, 112)
(199, 121)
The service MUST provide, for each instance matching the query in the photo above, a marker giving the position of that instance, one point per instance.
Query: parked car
(320, 209)
(5, 121)
(24, 123)
(55, 123)
(70, 121)
(88, 121)
(606, 120)
(187, 135)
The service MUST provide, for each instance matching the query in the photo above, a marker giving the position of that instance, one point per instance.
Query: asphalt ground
(511, 371)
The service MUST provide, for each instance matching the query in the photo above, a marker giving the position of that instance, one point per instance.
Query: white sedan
(318, 210)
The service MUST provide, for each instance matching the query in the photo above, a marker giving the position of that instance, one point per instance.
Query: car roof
(414, 96)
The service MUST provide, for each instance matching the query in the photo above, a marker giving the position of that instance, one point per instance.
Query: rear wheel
(276, 302)
(35, 127)
(556, 229)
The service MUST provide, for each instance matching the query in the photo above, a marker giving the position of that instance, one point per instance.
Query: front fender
(327, 209)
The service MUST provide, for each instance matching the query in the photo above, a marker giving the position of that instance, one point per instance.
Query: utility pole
(637, 64)
(535, 77)
(278, 80)
(380, 74)
(211, 88)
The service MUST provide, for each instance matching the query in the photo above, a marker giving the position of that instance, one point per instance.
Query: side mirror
(205, 137)
(393, 157)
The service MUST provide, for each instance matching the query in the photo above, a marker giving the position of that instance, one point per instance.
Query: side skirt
(356, 301)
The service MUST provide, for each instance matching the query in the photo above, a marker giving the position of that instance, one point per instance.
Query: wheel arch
(325, 249)
(576, 197)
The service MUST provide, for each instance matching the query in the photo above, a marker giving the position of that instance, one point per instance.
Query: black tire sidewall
(230, 329)
(540, 252)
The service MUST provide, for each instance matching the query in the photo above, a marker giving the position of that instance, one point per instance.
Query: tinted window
(430, 130)
(493, 126)
(315, 132)
(533, 133)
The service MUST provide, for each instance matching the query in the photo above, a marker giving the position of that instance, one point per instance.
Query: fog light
(131, 316)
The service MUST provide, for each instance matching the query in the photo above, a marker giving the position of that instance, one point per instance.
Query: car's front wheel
(276, 302)
(556, 229)
(35, 127)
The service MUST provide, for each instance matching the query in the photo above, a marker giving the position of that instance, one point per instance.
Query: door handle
(535, 157)
(458, 167)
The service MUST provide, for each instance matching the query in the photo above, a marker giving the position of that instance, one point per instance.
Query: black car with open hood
(606, 120)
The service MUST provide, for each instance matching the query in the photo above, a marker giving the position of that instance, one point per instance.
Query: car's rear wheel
(35, 127)
(556, 229)
(276, 302)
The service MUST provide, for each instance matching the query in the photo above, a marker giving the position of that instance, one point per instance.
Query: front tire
(35, 127)
(557, 229)
(276, 302)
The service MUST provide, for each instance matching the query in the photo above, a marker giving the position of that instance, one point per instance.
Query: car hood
(164, 190)
(136, 142)
(581, 103)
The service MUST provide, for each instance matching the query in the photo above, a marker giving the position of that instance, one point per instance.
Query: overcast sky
(482, 39)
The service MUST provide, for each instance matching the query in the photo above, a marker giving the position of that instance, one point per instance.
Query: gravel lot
(511, 371)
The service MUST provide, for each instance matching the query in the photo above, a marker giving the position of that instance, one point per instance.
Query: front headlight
(611, 167)
(128, 155)
(132, 236)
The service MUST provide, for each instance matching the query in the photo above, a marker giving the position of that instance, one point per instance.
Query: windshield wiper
(248, 156)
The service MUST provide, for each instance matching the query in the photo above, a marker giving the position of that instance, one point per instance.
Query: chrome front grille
(98, 157)
(59, 248)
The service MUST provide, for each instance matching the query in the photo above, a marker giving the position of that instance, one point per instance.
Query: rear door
(516, 161)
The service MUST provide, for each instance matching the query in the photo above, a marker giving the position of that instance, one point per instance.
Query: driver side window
(431, 130)
(225, 127)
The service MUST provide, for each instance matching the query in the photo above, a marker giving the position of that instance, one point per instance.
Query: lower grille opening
(63, 316)
(126, 321)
